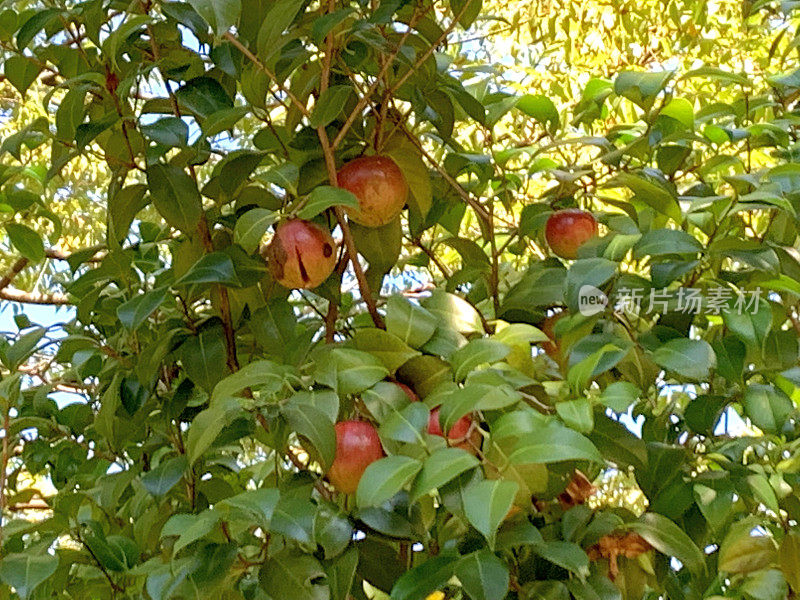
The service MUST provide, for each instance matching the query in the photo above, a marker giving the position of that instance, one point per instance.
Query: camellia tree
(368, 321)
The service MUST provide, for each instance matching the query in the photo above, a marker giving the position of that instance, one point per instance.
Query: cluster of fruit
(358, 444)
(302, 254)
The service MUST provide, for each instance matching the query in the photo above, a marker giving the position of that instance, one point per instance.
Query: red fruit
(357, 447)
(380, 187)
(457, 433)
(567, 230)
(409, 392)
(301, 254)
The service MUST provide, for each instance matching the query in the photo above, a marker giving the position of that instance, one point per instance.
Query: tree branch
(14, 295)
(474, 204)
(389, 61)
(16, 268)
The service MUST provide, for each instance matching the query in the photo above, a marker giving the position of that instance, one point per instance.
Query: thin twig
(389, 61)
(16, 268)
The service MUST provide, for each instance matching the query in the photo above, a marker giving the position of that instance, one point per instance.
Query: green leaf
(751, 327)
(730, 353)
(332, 530)
(554, 443)
(126, 29)
(294, 518)
(203, 96)
(330, 105)
(314, 425)
(767, 407)
(221, 15)
(483, 576)
(388, 348)
(619, 396)
(587, 271)
(642, 88)
(24, 572)
(741, 552)
(440, 467)
(415, 173)
(189, 528)
(651, 191)
(203, 357)
(277, 19)
(541, 108)
(477, 352)
(765, 585)
(32, 27)
(666, 537)
(381, 246)
(617, 444)
(466, 11)
(216, 267)
(487, 503)
(123, 208)
(408, 321)
(407, 424)
(421, 581)
(324, 197)
(341, 574)
(206, 426)
(135, 311)
(384, 478)
(26, 241)
(566, 555)
(168, 131)
(164, 477)
(455, 313)
(692, 359)
(520, 334)
(789, 559)
(349, 371)
(175, 196)
(252, 226)
(253, 504)
(21, 71)
(576, 414)
(257, 374)
(666, 241)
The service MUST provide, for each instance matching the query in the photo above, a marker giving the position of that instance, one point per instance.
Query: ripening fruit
(412, 395)
(380, 187)
(357, 447)
(567, 230)
(301, 254)
(461, 434)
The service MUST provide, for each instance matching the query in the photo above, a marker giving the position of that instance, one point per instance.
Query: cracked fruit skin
(380, 187)
(357, 447)
(567, 230)
(301, 254)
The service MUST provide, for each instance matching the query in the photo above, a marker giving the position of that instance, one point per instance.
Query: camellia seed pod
(357, 447)
(301, 254)
(567, 230)
(380, 187)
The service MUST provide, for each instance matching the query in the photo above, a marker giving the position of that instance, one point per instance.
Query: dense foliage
(150, 151)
